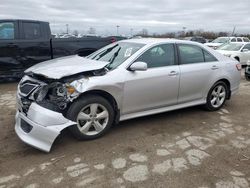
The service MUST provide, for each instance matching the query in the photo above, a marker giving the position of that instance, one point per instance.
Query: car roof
(158, 40)
(23, 20)
(239, 42)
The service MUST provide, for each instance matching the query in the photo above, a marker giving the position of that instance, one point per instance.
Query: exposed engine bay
(53, 94)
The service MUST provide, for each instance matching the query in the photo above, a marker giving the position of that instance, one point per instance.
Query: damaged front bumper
(39, 127)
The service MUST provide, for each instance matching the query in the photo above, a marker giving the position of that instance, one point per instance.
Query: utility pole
(184, 31)
(233, 30)
(131, 32)
(67, 28)
(117, 30)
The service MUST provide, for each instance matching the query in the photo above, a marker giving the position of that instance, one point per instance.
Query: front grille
(27, 88)
(25, 126)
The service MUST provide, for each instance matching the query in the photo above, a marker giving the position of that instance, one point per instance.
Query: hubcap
(92, 119)
(218, 96)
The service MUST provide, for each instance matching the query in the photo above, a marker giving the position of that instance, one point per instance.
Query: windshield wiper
(111, 60)
(115, 55)
(105, 52)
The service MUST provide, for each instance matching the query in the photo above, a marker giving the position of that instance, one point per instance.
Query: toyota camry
(124, 80)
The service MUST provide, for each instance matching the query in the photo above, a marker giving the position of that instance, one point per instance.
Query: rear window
(31, 30)
(7, 30)
(239, 40)
(190, 54)
(246, 39)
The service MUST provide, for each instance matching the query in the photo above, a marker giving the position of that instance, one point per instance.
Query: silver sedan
(124, 80)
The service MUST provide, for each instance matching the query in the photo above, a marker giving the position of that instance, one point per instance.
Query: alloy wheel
(218, 96)
(92, 119)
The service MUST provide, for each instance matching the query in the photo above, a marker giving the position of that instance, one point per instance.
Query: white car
(124, 80)
(222, 40)
(237, 50)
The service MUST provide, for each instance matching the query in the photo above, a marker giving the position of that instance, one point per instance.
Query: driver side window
(159, 56)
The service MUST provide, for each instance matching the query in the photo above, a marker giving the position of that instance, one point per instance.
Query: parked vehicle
(24, 43)
(237, 50)
(124, 80)
(222, 40)
(196, 39)
(247, 71)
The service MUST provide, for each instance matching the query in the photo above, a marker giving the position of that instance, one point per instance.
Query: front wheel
(217, 96)
(94, 116)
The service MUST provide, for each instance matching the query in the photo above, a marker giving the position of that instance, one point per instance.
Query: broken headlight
(56, 94)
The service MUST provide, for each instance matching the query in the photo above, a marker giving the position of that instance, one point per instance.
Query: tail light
(113, 39)
(238, 66)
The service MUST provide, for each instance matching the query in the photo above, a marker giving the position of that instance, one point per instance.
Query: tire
(94, 116)
(216, 98)
(247, 76)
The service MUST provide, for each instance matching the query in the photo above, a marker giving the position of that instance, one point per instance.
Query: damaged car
(121, 81)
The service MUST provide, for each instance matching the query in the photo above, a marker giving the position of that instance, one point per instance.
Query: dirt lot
(185, 148)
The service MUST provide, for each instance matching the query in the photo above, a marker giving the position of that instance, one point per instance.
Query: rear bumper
(40, 127)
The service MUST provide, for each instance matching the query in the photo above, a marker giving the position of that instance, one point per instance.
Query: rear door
(198, 69)
(34, 42)
(9, 50)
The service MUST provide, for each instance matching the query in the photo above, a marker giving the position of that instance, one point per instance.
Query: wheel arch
(110, 98)
(237, 58)
(227, 82)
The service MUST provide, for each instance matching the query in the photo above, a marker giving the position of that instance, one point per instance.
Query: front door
(157, 86)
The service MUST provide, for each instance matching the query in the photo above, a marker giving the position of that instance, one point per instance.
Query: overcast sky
(157, 16)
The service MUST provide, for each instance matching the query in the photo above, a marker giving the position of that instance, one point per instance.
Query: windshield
(116, 53)
(231, 47)
(221, 40)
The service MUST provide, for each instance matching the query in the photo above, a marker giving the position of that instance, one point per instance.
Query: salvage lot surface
(183, 148)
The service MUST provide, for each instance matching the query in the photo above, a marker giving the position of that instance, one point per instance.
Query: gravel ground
(184, 148)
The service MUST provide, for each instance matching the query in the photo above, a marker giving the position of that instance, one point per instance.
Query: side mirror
(138, 66)
(245, 50)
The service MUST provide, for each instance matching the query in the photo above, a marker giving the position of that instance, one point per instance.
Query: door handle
(214, 67)
(11, 45)
(173, 73)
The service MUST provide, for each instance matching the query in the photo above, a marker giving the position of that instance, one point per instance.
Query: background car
(221, 40)
(237, 50)
(24, 43)
(196, 39)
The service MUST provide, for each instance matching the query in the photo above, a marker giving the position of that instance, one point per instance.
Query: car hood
(66, 66)
(226, 52)
(213, 44)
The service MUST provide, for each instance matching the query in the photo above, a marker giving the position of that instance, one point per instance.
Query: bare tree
(75, 32)
(92, 30)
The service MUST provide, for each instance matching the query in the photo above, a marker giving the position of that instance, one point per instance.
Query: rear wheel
(94, 116)
(248, 78)
(217, 96)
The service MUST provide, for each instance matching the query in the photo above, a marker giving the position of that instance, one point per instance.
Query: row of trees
(178, 34)
(182, 34)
